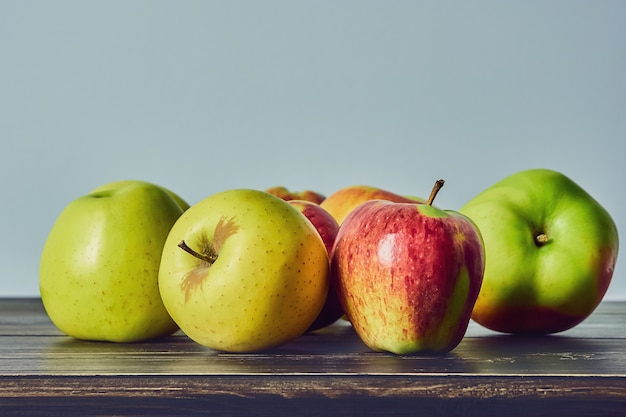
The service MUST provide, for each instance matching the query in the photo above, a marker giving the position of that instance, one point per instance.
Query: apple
(98, 272)
(327, 227)
(324, 223)
(285, 194)
(408, 274)
(551, 251)
(242, 271)
(119, 184)
(340, 203)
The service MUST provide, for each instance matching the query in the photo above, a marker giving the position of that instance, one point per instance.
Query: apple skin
(532, 287)
(407, 275)
(324, 223)
(285, 194)
(99, 266)
(340, 203)
(267, 281)
(182, 203)
(328, 228)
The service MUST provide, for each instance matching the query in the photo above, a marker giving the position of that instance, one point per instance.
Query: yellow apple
(243, 271)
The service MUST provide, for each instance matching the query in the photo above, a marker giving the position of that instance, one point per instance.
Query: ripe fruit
(99, 266)
(343, 201)
(408, 274)
(551, 251)
(327, 228)
(243, 271)
(285, 194)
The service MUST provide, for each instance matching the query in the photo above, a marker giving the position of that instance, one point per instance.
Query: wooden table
(578, 372)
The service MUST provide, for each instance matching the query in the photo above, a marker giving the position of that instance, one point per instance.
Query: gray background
(203, 96)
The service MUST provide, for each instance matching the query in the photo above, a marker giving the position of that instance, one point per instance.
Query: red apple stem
(206, 258)
(433, 193)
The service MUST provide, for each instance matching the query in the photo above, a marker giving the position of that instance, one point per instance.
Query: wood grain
(578, 372)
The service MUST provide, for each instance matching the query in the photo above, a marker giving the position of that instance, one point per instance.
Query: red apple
(408, 274)
(327, 228)
(340, 203)
(285, 194)
(325, 224)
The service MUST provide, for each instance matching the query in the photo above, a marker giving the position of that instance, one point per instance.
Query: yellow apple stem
(206, 258)
(433, 193)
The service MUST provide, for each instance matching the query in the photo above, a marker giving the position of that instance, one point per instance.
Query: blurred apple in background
(285, 194)
(99, 266)
(243, 271)
(551, 252)
(408, 274)
(327, 228)
(340, 203)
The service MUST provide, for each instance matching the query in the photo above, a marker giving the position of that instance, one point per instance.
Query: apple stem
(206, 258)
(541, 239)
(433, 193)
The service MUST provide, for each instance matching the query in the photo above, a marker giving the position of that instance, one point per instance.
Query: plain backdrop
(203, 96)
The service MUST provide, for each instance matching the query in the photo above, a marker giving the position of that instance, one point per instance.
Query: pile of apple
(246, 270)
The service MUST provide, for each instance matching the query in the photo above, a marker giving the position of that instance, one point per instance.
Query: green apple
(98, 273)
(340, 203)
(243, 271)
(121, 183)
(551, 251)
(408, 274)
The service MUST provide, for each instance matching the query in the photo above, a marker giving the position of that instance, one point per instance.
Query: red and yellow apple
(408, 274)
(307, 195)
(340, 203)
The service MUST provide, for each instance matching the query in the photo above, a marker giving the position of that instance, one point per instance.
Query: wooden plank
(180, 356)
(305, 395)
(578, 372)
(337, 349)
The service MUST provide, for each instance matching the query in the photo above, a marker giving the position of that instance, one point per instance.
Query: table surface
(329, 372)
